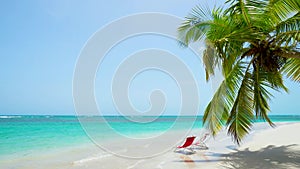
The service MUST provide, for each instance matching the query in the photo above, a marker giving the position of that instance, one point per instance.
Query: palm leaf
(239, 7)
(262, 80)
(281, 10)
(210, 60)
(287, 32)
(241, 115)
(292, 69)
(217, 111)
(195, 25)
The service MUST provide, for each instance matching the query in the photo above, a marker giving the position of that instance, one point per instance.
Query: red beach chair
(187, 144)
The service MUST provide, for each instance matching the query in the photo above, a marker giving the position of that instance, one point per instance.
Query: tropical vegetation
(256, 45)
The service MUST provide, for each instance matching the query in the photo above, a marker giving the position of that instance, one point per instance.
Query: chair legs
(191, 149)
(184, 149)
(201, 145)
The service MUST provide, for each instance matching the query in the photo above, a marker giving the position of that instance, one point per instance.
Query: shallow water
(22, 135)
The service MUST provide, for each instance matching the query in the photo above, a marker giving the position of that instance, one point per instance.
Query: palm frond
(210, 60)
(239, 7)
(274, 81)
(291, 24)
(217, 111)
(281, 10)
(195, 25)
(262, 80)
(241, 115)
(189, 32)
(288, 31)
(215, 114)
(292, 69)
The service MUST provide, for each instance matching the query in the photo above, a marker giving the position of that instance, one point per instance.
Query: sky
(42, 40)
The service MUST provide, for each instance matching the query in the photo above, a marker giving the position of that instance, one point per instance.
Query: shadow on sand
(270, 157)
(282, 157)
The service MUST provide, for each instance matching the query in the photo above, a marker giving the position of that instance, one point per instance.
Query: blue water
(21, 134)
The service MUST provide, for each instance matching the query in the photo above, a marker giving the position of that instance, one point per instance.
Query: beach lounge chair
(187, 144)
(201, 142)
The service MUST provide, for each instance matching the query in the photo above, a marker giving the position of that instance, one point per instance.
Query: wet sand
(264, 147)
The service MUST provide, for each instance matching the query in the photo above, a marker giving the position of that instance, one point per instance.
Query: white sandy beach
(265, 147)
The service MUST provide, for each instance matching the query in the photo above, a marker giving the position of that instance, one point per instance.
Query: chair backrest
(204, 137)
(188, 141)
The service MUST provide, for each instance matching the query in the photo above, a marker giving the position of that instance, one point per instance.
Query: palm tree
(255, 43)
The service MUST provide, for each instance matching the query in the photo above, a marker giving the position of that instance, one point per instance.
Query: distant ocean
(26, 134)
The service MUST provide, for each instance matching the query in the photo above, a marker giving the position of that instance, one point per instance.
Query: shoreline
(263, 147)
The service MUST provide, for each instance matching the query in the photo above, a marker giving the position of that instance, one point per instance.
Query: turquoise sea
(24, 134)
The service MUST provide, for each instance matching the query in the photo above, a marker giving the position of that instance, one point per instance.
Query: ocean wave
(9, 117)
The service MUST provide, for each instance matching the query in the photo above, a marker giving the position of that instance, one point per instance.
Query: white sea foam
(94, 157)
(9, 117)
